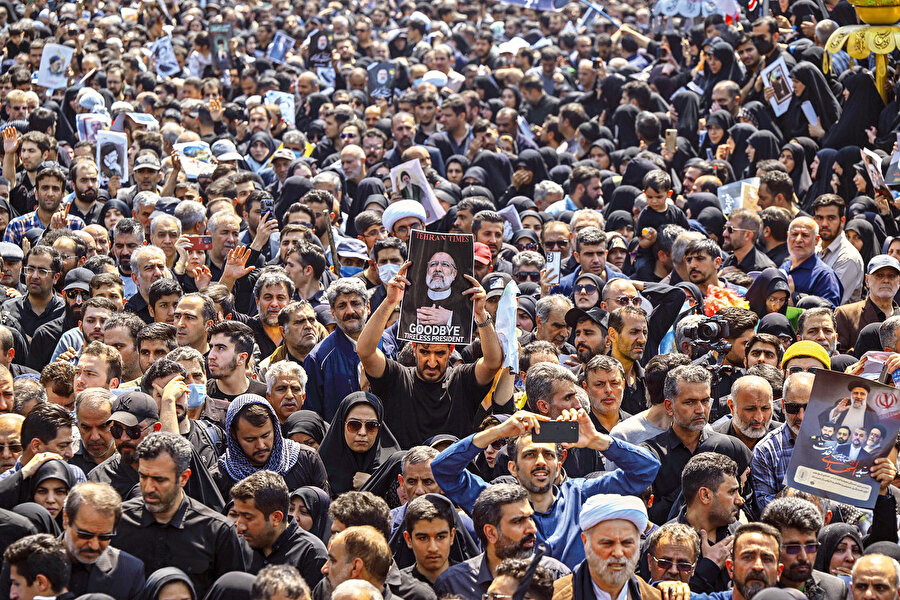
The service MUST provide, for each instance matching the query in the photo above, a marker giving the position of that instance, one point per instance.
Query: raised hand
(202, 276)
(236, 263)
(477, 295)
(10, 139)
(396, 287)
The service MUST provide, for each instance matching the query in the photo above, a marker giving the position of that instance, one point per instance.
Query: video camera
(710, 333)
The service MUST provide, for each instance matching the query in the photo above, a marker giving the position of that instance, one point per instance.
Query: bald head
(10, 440)
(872, 574)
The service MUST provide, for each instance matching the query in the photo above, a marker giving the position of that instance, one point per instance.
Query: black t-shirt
(217, 401)
(415, 410)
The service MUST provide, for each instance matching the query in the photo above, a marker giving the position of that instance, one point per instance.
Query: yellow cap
(807, 348)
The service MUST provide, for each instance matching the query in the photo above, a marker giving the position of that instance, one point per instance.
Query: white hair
(282, 368)
(159, 217)
(220, 218)
(356, 589)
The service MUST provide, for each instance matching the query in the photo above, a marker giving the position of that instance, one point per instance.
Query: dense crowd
(204, 391)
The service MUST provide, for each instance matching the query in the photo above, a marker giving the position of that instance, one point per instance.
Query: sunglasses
(810, 548)
(89, 535)
(75, 294)
(13, 448)
(527, 275)
(133, 431)
(498, 444)
(666, 565)
(626, 300)
(348, 136)
(731, 229)
(812, 370)
(792, 408)
(556, 244)
(586, 288)
(354, 425)
(529, 246)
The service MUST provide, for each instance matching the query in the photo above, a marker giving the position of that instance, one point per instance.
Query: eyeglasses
(89, 535)
(586, 288)
(75, 294)
(797, 369)
(529, 246)
(373, 148)
(731, 229)
(13, 448)
(810, 548)
(632, 300)
(348, 136)
(354, 425)
(498, 444)
(560, 244)
(792, 408)
(39, 270)
(527, 275)
(376, 233)
(666, 565)
(132, 431)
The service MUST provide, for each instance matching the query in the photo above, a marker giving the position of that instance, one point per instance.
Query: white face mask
(387, 272)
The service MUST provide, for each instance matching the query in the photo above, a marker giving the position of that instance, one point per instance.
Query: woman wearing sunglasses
(357, 442)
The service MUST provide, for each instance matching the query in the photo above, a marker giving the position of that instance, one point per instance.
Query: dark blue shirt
(813, 276)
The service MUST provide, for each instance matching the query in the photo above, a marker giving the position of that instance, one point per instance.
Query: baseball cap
(881, 261)
(78, 278)
(352, 249)
(435, 78)
(809, 349)
(495, 283)
(283, 153)
(617, 242)
(595, 314)
(9, 251)
(147, 161)
(132, 408)
(225, 150)
(482, 253)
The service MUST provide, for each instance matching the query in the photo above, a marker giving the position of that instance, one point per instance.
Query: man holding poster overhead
(432, 397)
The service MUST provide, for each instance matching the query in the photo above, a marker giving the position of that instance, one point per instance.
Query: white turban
(606, 507)
(401, 210)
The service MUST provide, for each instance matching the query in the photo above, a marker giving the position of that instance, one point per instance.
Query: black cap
(495, 283)
(132, 408)
(78, 278)
(595, 314)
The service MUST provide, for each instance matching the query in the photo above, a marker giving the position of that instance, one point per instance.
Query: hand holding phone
(200, 242)
(552, 266)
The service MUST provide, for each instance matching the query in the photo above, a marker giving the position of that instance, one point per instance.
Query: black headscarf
(341, 462)
(307, 422)
(293, 189)
(611, 92)
(769, 281)
(161, 577)
(687, 104)
(488, 85)
(759, 116)
(866, 233)
(829, 538)
(232, 586)
(778, 325)
(39, 516)
(52, 469)
(861, 111)
(622, 200)
(532, 161)
(721, 119)
(619, 219)
(369, 186)
(800, 173)
(740, 133)
(713, 221)
(766, 147)
(623, 126)
(113, 204)
(317, 503)
(818, 93)
(500, 170)
(695, 203)
(821, 184)
(730, 71)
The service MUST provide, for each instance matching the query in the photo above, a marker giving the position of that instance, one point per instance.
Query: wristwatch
(484, 323)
